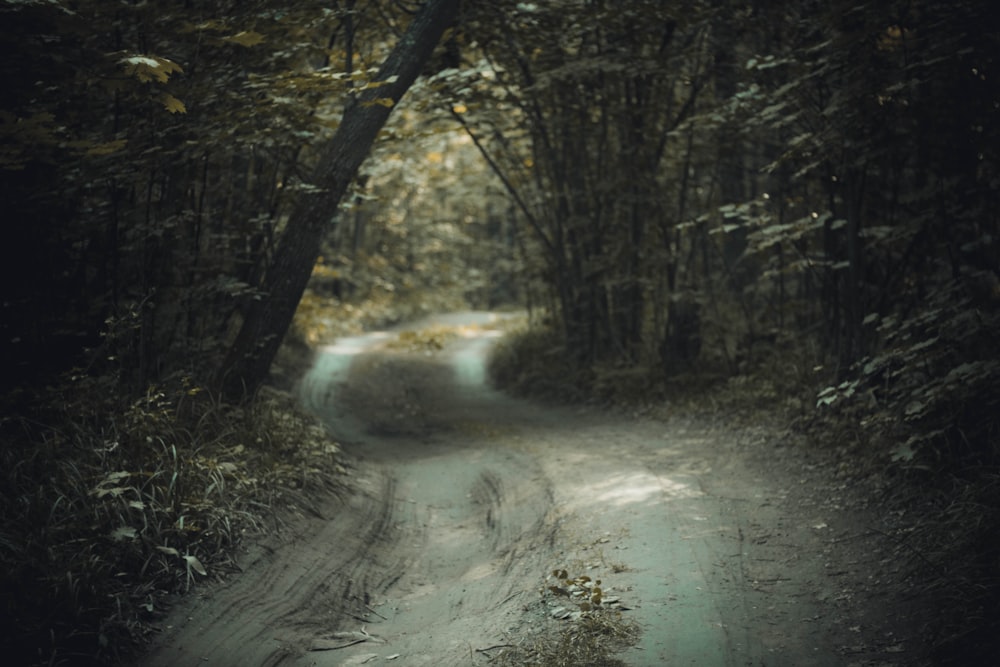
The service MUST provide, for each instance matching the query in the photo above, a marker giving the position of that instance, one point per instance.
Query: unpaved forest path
(723, 547)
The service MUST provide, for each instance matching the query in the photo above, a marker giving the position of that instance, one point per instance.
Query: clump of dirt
(590, 628)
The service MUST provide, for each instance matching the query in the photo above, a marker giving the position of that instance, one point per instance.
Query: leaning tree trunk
(267, 320)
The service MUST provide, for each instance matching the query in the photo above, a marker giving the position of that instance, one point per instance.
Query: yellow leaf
(147, 68)
(387, 102)
(246, 38)
(172, 104)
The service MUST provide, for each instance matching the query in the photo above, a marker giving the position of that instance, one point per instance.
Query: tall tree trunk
(267, 320)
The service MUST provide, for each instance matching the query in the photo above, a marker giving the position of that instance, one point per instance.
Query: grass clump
(108, 507)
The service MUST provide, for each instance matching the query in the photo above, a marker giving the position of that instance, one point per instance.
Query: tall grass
(109, 507)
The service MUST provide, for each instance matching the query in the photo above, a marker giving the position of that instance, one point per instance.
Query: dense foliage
(695, 179)
(149, 186)
(152, 167)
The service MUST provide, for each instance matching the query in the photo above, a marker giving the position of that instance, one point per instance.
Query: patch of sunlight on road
(480, 571)
(624, 488)
(354, 345)
(639, 487)
(418, 590)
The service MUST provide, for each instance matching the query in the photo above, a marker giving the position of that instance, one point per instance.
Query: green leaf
(123, 533)
(903, 452)
(195, 564)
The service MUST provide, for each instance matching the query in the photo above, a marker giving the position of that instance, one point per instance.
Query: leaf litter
(591, 627)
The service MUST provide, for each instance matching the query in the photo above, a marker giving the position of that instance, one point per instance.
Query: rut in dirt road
(466, 500)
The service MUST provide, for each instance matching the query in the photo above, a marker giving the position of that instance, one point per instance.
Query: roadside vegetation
(112, 509)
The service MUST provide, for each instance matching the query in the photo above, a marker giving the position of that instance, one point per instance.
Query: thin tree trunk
(268, 319)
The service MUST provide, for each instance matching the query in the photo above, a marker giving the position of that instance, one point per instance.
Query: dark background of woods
(686, 188)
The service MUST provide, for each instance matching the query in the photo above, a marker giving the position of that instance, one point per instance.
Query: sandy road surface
(465, 500)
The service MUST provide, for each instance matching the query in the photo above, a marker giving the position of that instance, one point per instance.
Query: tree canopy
(155, 168)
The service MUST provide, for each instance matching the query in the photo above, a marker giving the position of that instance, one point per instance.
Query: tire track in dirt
(488, 492)
(347, 587)
(483, 508)
(459, 515)
(296, 586)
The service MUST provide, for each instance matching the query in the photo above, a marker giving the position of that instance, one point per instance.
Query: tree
(267, 319)
(150, 166)
(582, 105)
(153, 166)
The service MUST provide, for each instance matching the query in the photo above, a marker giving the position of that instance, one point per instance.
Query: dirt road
(724, 547)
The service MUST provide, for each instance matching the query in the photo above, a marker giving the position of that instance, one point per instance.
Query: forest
(797, 203)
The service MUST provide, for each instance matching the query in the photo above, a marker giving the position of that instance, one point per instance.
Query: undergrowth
(109, 507)
(925, 407)
(530, 361)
